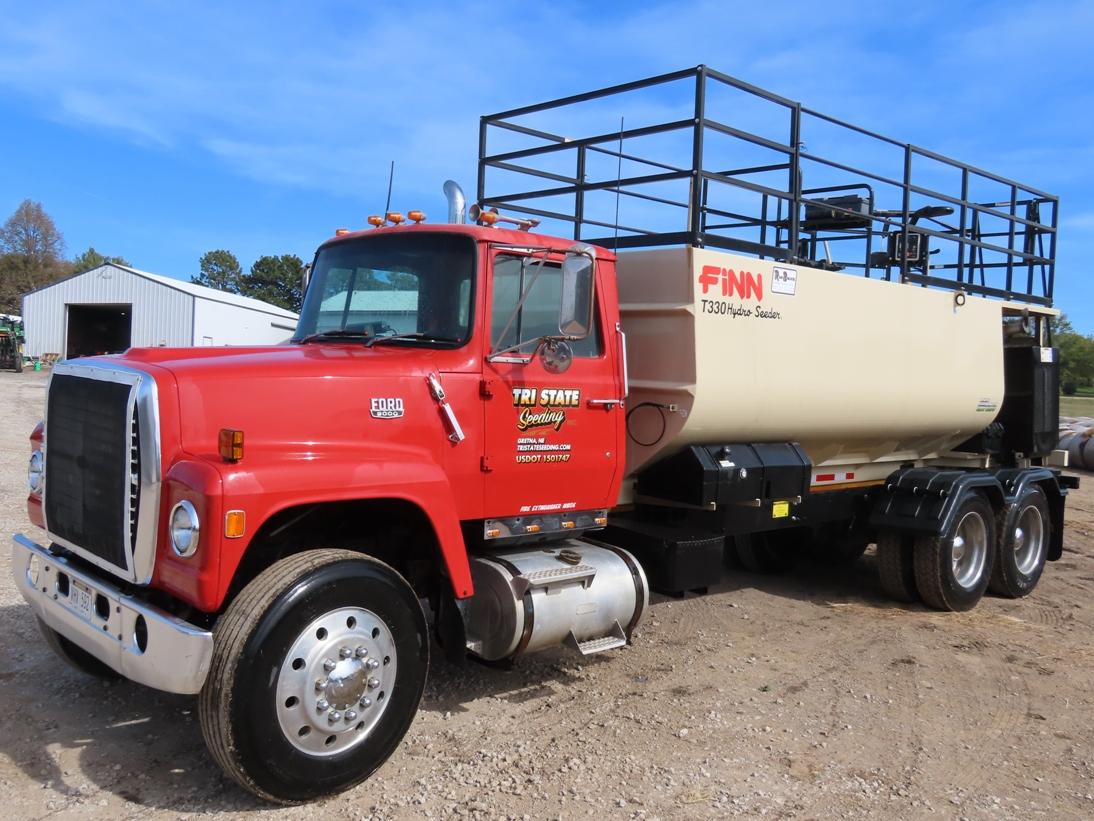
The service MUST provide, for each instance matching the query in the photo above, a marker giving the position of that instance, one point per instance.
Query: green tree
(219, 269)
(93, 259)
(31, 249)
(1061, 325)
(30, 232)
(278, 280)
(1076, 360)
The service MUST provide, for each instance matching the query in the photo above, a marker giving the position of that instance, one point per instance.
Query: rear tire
(952, 569)
(1025, 531)
(318, 669)
(76, 656)
(896, 565)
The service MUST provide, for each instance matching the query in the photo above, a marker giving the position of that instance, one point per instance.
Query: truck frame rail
(782, 182)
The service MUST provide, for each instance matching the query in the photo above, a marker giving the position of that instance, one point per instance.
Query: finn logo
(728, 283)
(387, 407)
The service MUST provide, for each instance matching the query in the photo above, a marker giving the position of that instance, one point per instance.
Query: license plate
(82, 598)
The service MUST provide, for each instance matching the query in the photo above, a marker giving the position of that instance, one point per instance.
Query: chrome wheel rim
(969, 550)
(1029, 540)
(335, 681)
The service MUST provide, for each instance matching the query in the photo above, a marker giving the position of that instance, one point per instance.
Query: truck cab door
(553, 441)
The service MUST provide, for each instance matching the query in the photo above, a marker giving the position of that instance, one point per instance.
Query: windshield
(415, 284)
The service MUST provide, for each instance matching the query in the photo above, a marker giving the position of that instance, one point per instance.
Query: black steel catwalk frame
(1006, 258)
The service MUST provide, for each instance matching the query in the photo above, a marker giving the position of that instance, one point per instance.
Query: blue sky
(161, 130)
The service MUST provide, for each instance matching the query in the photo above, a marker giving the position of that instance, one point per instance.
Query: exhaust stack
(457, 203)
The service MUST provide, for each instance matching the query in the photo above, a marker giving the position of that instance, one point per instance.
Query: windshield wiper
(375, 340)
(334, 333)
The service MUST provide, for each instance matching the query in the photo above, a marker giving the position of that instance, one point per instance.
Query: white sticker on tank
(1047, 354)
(784, 280)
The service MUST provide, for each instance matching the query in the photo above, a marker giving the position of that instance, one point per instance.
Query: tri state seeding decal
(543, 410)
(544, 407)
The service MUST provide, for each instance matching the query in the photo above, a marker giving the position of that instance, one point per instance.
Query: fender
(924, 500)
(267, 484)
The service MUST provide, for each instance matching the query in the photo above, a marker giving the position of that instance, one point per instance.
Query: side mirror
(575, 320)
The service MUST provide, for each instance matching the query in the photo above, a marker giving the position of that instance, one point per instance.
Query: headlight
(185, 528)
(36, 472)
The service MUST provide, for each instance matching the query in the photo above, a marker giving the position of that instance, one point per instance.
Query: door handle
(603, 403)
(455, 434)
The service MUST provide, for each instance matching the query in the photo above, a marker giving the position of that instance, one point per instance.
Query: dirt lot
(804, 695)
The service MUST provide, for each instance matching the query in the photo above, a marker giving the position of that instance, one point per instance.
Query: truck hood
(296, 401)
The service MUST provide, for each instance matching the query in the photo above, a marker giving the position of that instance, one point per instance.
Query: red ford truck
(521, 434)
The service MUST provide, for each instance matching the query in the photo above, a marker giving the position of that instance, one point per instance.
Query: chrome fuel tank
(589, 597)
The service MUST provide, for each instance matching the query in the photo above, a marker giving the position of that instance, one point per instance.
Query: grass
(1078, 405)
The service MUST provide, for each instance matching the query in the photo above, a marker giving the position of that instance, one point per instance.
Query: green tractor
(11, 343)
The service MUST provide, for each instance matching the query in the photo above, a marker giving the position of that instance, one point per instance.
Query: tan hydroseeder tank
(863, 373)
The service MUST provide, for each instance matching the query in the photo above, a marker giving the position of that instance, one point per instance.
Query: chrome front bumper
(175, 655)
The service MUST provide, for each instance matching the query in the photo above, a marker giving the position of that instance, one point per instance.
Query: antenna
(390, 180)
(618, 179)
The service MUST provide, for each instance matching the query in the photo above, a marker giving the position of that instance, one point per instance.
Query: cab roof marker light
(416, 216)
(341, 232)
(375, 220)
(394, 217)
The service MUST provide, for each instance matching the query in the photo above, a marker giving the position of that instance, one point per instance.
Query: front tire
(318, 669)
(952, 569)
(1024, 530)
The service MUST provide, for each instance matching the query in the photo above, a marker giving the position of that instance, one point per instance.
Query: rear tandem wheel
(952, 569)
(1024, 530)
(896, 565)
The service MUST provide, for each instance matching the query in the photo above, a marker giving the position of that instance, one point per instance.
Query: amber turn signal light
(230, 444)
(235, 524)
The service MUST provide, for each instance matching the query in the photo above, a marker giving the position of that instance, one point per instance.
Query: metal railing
(884, 223)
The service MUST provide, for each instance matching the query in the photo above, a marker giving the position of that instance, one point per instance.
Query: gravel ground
(803, 695)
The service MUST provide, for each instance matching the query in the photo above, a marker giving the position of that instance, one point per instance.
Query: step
(617, 638)
(559, 575)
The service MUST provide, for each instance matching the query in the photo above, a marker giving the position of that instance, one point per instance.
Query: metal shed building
(114, 307)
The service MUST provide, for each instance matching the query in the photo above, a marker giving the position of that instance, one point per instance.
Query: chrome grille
(103, 465)
(87, 470)
(134, 479)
